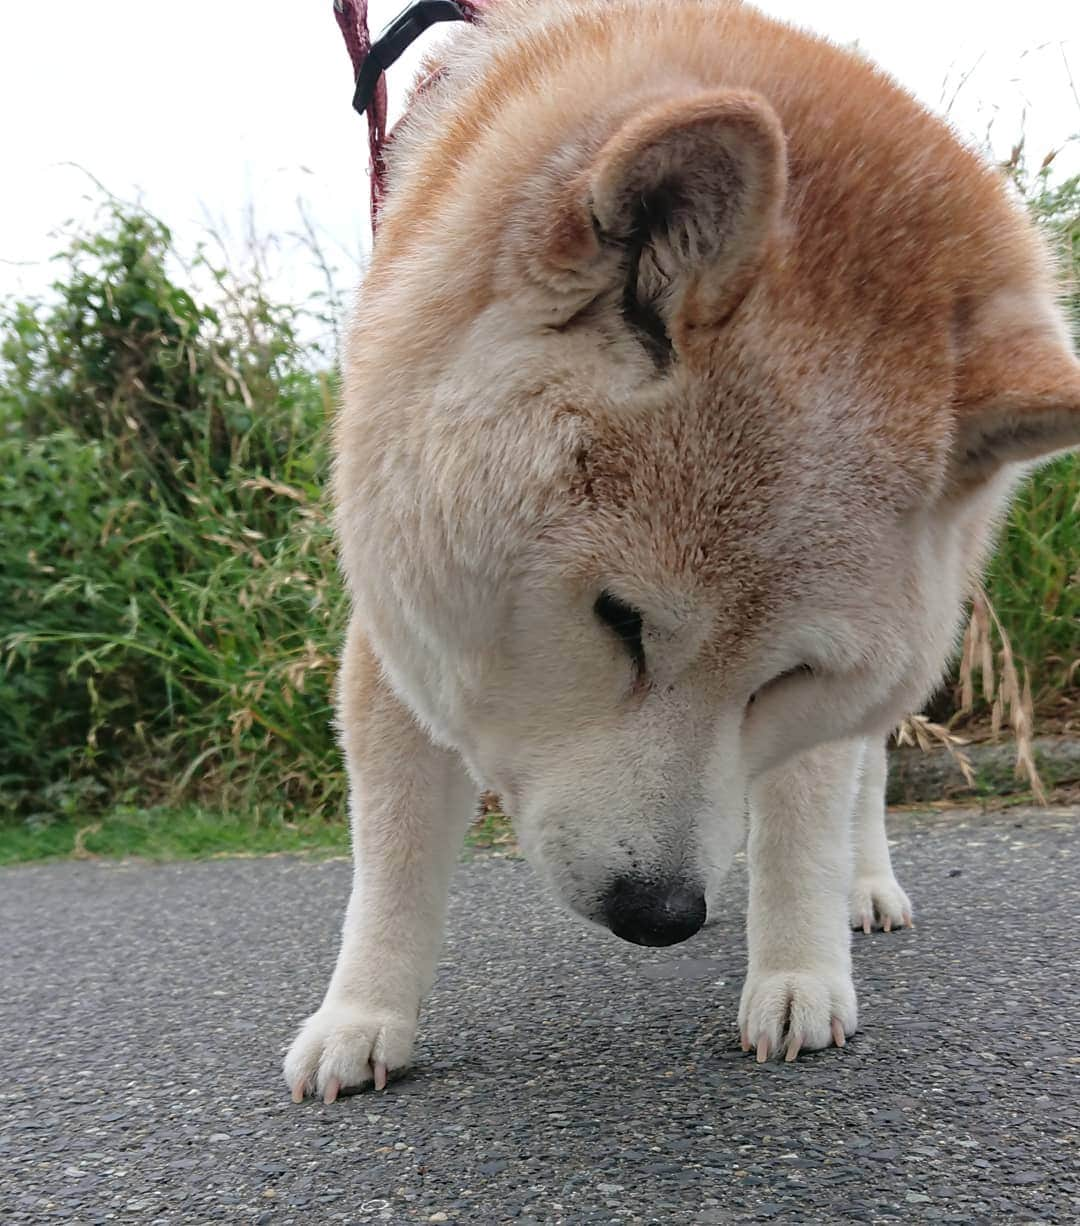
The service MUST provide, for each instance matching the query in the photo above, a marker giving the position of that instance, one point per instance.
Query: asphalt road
(562, 1077)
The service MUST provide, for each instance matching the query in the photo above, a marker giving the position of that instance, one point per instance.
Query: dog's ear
(670, 216)
(1018, 399)
(689, 191)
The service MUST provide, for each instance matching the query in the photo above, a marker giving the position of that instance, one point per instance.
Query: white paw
(877, 901)
(344, 1046)
(786, 1012)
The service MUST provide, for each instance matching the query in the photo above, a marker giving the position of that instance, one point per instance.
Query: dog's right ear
(669, 218)
(1020, 405)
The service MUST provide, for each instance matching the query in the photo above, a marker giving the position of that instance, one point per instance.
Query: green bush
(1034, 583)
(170, 599)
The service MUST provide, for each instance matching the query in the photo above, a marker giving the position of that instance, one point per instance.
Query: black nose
(653, 913)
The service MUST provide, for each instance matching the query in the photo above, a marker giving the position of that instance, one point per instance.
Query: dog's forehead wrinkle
(644, 482)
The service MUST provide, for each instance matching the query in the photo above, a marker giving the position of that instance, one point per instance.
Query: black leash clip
(405, 29)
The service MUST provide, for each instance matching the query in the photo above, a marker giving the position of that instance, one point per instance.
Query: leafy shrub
(170, 599)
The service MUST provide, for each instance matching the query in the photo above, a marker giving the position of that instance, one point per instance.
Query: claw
(762, 1049)
(887, 925)
(838, 1036)
(744, 1040)
(908, 919)
(298, 1092)
(866, 924)
(332, 1087)
(379, 1074)
(794, 1046)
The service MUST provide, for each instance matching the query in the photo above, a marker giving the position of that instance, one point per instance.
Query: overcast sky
(210, 108)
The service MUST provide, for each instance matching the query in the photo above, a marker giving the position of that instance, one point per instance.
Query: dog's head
(670, 453)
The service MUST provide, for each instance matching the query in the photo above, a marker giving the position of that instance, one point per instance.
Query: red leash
(370, 78)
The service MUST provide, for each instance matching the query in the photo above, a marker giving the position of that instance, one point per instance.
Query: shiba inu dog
(694, 368)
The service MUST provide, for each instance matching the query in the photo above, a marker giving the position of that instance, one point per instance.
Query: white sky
(210, 108)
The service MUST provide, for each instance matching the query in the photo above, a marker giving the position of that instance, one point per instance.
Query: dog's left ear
(690, 190)
(1019, 401)
(668, 218)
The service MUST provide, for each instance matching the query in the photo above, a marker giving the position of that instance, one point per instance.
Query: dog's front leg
(410, 802)
(799, 992)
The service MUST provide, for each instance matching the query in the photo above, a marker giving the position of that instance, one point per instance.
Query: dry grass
(988, 672)
(928, 735)
(989, 660)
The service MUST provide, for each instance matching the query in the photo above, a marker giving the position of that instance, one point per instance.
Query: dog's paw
(345, 1046)
(877, 901)
(786, 1012)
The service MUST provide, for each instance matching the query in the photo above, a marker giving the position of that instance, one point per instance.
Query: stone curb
(916, 777)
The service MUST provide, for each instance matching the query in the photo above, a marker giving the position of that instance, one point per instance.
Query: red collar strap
(371, 60)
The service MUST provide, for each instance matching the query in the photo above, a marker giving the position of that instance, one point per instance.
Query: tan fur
(677, 303)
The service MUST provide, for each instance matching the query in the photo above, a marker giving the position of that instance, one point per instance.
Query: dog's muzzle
(653, 913)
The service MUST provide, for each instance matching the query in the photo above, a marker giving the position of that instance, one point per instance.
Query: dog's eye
(626, 622)
(800, 670)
